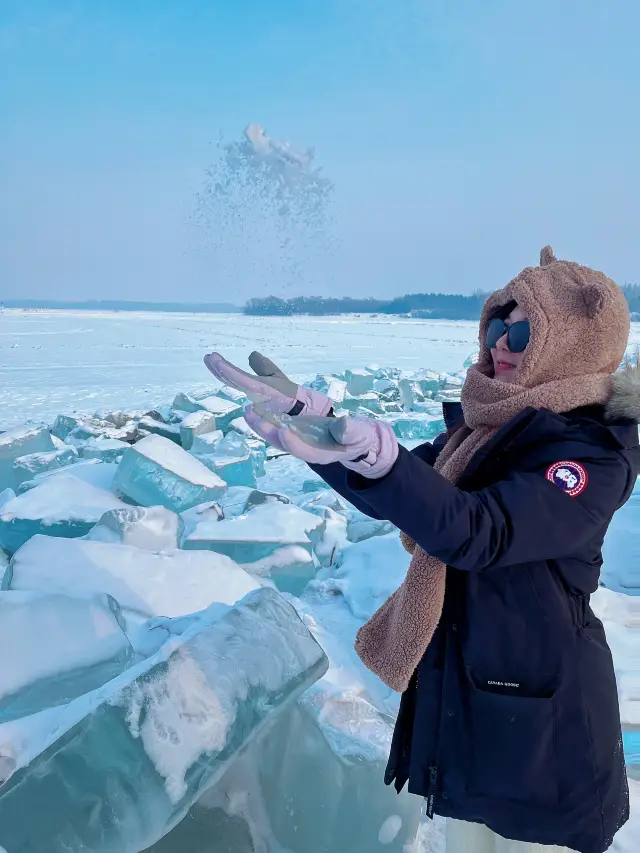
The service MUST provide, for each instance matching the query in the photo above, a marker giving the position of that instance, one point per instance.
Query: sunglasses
(518, 334)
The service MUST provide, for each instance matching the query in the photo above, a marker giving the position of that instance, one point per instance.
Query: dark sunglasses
(518, 334)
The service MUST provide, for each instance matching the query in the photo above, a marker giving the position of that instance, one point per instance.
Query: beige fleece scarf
(394, 640)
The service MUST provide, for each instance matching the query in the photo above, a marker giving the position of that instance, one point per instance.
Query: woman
(509, 721)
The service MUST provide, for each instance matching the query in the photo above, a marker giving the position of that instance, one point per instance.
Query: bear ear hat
(596, 298)
(547, 257)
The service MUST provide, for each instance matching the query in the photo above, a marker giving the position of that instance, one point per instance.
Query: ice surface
(156, 471)
(58, 506)
(154, 528)
(166, 583)
(103, 449)
(29, 466)
(21, 441)
(134, 756)
(57, 648)
(259, 533)
(196, 423)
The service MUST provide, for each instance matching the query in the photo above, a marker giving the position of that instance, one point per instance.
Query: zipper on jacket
(431, 792)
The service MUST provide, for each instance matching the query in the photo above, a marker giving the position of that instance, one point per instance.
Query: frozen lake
(65, 361)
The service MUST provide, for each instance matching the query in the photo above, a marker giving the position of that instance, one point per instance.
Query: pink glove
(269, 386)
(368, 447)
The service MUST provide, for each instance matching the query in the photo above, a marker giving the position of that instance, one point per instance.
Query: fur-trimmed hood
(625, 395)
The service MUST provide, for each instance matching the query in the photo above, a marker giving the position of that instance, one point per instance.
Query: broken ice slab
(153, 528)
(61, 647)
(257, 498)
(64, 424)
(336, 390)
(92, 471)
(196, 423)
(238, 471)
(289, 568)
(165, 583)
(29, 466)
(131, 758)
(416, 425)
(311, 783)
(156, 472)
(621, 549)
(223, 410)
(206, 442)
(359, 382)
(58, 506)
(359, 525)
(370, 400)
(103, 449)
(231, 394)
(259, 533)
(21, 441)
(155, 427)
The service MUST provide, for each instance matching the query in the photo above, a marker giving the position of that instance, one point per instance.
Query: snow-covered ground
(66, 362)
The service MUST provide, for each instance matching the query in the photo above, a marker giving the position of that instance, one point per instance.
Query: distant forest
(437, 306)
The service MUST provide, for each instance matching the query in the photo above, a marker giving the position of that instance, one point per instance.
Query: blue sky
(461, 136)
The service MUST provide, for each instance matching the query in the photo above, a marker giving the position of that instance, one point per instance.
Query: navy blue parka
(511, 719)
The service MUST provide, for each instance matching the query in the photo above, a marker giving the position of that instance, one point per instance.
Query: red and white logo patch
(570, 476)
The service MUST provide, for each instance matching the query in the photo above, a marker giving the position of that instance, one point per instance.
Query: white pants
(464, 837)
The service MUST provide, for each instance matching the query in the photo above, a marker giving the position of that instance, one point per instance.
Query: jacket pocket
(513, 747)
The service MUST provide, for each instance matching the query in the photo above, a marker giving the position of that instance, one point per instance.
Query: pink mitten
(269, 385)
(368, 447)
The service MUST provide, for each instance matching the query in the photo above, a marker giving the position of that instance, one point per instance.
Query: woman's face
(505, 362)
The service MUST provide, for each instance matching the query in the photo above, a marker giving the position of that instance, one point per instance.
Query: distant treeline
(437, 305)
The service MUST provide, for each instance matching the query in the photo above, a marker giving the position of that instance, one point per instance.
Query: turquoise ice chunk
(155, 427)
(359, 382)
(104, 449)
(238, 471)
(156, 472)
(154, 528)
(29, 466)
(224, 411)
(60, 505)
(416, 425)
(21, 441)
(134, 756)
(256, 535)
(61, 647)
(196, 423)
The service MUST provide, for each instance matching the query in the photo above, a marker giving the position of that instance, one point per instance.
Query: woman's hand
(269, 385)
(366, 446)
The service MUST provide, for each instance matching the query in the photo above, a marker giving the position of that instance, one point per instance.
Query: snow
(283, 524)
(168, 583)
(168, 455)
(352, 708)
(60, 498)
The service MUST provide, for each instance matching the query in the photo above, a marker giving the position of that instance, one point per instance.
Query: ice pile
(169, 586)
